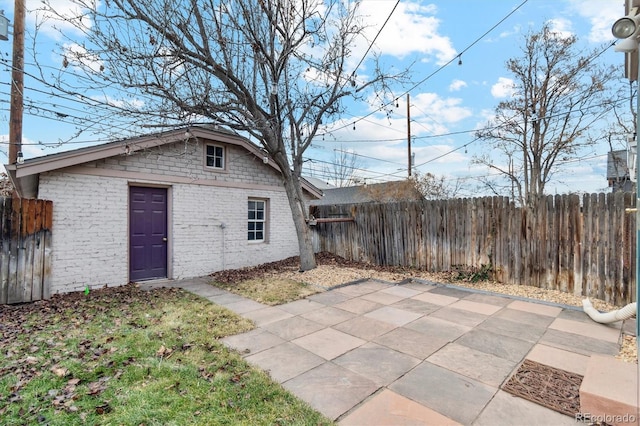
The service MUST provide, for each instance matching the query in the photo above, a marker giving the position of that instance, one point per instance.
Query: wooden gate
(25, 249)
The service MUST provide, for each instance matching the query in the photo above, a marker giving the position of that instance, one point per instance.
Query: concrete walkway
(377, 353)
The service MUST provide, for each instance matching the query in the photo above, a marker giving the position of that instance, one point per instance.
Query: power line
(477, 40)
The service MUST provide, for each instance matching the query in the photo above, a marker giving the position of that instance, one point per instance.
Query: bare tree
(275, 70)
(342, 170)
(433, 187)
(420, 186)
(558, 95)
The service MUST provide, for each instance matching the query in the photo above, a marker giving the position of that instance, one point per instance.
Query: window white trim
(257, 220)
(215, 156)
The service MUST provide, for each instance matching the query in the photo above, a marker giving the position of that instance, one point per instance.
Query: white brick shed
(174, 205)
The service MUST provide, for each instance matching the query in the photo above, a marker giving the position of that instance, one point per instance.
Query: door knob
(164, 239)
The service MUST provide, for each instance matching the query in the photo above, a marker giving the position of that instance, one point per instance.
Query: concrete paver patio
(377, 353)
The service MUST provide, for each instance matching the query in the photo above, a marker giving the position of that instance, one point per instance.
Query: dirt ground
(333, 270)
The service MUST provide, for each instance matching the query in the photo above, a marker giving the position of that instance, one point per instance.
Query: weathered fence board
(25, 247)
(580, 245)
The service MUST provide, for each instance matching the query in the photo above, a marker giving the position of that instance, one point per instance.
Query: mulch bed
(231, 276)
(550, 387)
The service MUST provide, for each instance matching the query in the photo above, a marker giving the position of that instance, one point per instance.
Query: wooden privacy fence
(581, 246)
(25, 249)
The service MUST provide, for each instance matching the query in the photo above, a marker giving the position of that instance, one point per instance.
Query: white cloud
(413, 28)
(443, 110)
(120, 103)
(456, 85)
(562, 27)
(29, 148)
(77, 56)
(54, 17)
(504, 88)
(601, 15)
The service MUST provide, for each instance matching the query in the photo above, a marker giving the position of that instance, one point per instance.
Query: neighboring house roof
(318, 183)
(617, 165)
(25, 176)
(377, 192)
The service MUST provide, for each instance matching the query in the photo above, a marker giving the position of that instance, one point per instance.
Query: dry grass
(271, 290)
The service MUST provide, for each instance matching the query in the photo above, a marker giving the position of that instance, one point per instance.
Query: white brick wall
(186, 159)
(90, 224)
(89, 235)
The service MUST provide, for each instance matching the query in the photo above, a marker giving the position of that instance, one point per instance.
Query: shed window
(256, 220)
(215, 156)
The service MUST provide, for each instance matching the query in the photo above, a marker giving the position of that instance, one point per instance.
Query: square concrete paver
(252, 341)
(355, 290)
(245, 306)
(329, 297)
(401, 291)
(416, 306)
(328, 315)
(411, 342)
(469, 362)
(364, 328)
(389, 408)
(301, 306)
(559, 358)
(382, 298)
(536, 308)
(436, 299)
(490, 299)
(267, 315)
(451, 291)
(285, 361)
(438, 328)
(459, 316)
(477, 307)
(574, 315)
(593, 329)
(294, 327)
(394, 316)
(420, 285)
(506, 347)
(329, 343)
(224, 298)
(331, 389)
(506, 409)
(576, 343)
(358, 305)
(525, 317)
(378, 363)
(451, 394)
(518, 330)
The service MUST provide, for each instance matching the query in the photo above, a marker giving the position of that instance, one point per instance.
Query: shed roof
(377, 192)
(25, 176)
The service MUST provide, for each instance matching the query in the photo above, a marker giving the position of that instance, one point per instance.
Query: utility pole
(408, 137)
(17, 84)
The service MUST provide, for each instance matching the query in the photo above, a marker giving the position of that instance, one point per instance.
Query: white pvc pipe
(622, 314)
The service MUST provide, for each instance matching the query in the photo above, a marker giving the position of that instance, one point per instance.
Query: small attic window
(214, 156)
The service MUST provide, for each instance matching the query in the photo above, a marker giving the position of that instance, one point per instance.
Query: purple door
(147, 233)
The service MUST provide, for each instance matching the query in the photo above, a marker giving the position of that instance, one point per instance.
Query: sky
(458, 49)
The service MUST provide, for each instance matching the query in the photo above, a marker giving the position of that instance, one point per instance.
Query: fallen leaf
(59, 371)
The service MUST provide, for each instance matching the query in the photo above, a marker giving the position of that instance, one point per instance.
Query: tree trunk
(305, 246)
